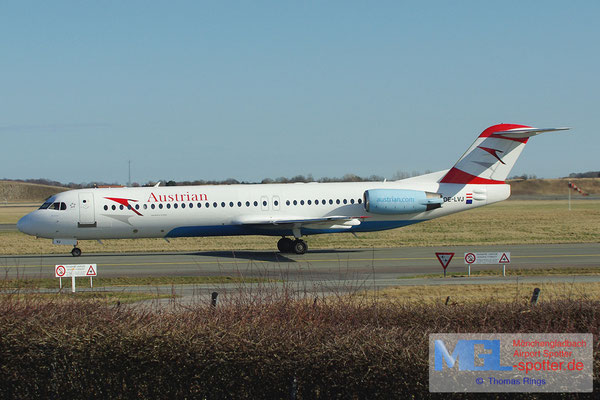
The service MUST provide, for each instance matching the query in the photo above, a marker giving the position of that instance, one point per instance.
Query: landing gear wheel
(76, 252)
(299, 246)
(284, 245)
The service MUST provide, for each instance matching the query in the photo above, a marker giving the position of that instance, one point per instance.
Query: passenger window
(330, 201)
(317, 202)
(255, 203)
(121, 207)
(137, 206)
(215, 204)
(231, 204)
(359, 201)
(345, 201)
(337, 201)
(264, 203)
(160, 206)
(324, 202)
(239, 203)
(207, 205)
(175, 205)
(301, 202)
(247, 204)
(276, 203)
(105, 208)
(351, 201)
(222, 204)
(169, 205)
(114, 207)
(200, 205)
(152, 206)
(145, 206)
(308, 202)
(295, 202)
(287, 202)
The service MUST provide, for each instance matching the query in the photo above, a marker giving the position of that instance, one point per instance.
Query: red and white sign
(502, 257)
(470, 258)
(67, 271)
(444, 258)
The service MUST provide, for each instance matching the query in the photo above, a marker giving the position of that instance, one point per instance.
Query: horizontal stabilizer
(522, 133)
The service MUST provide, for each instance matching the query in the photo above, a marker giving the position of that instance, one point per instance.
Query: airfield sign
(75, 270)
(492, 257)
(67, 271)
(444, 259)
(501, 257)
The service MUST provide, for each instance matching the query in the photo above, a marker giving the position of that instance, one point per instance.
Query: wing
(328, 222)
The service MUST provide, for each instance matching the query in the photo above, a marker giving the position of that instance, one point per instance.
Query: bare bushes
(252, 345)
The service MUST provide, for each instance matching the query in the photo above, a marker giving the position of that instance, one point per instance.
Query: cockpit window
(54, 206)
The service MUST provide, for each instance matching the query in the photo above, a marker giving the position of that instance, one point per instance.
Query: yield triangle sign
(504, 259)
(91, 271)
(444, 258)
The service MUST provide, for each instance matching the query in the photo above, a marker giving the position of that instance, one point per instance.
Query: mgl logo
(465, 355)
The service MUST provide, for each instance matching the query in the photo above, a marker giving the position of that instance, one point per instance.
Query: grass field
(490, 293)
(509, 222)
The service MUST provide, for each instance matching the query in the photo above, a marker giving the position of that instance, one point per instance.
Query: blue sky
(249, 90)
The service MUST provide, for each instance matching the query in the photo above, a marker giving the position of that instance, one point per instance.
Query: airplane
(285, 210)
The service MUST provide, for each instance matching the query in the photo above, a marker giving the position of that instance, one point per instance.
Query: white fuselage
(263, 209)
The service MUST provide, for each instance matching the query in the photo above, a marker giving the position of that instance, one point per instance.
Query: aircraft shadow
(264, 256)
(267, 256)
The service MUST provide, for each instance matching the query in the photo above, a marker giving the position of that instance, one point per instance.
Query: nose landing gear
(76, 252)
(287, 245)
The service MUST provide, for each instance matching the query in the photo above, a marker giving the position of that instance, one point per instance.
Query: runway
(375, 264)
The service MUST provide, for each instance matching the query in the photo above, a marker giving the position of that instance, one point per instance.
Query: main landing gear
(287, 245)
(76, 252)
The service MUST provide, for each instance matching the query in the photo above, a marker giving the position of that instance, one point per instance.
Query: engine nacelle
(400, 201)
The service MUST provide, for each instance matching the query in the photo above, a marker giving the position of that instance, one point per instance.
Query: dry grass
(510, 222)
(519, 293)
(11, 214)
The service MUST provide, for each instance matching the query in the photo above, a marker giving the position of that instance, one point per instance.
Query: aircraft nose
(25, 224)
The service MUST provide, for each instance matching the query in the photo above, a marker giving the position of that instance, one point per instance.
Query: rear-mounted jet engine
(400, 201)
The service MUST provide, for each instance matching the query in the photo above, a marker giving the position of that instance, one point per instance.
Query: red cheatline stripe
(455, 175)
(124, 202)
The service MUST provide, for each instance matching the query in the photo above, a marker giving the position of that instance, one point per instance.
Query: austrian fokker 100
(286, 210)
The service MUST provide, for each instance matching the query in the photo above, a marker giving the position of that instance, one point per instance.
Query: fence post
(213, 299)
(293, 388)
(534, 297)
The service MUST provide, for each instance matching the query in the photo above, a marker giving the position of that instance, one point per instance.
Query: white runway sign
(488, 258)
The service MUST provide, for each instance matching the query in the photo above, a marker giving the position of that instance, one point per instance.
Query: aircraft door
(264, 203)
(275, 203)
(87, 217)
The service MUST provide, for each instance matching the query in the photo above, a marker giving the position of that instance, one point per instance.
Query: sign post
(75, 270)
(502, 257)
(444, 259)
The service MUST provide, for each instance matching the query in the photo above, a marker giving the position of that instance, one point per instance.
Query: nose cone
(25, 225)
